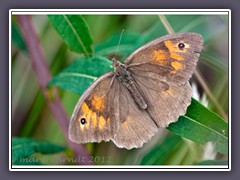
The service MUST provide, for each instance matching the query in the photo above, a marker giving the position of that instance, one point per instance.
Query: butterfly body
(148, 91)
(125, 78)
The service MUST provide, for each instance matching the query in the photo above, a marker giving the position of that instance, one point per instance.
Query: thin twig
(42, 72)
(197, 73)
(210, 95)
(166, 24)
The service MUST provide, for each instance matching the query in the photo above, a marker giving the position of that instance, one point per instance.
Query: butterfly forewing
(173, 57)
(96, 115)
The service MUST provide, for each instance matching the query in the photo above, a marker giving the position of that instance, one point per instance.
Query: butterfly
(148, 91)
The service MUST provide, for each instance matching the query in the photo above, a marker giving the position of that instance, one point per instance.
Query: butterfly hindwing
(165, 102)
(136, 126)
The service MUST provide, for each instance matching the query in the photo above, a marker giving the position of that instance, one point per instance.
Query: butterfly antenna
(119, 42)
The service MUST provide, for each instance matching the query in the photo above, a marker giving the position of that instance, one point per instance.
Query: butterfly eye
(83, 121)
(181, 45)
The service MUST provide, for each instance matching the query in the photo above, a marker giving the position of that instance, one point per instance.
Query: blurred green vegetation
(32, 118)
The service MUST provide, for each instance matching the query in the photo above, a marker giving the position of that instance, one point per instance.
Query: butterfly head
(115, 63)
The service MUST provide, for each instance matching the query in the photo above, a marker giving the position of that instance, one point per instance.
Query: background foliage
(76, 50)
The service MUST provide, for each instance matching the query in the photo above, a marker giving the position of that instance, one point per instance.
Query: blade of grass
(177, 157)
(35, 111)
(159, 154)
(166, 24)
(210, 95)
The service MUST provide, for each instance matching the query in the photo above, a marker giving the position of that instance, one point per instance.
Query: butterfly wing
(161, 70)
(136, 126)
(96, 115)
(165, 102)
(171, 57)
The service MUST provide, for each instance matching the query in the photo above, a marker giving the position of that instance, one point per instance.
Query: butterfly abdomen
(125, 79)
(136, 95)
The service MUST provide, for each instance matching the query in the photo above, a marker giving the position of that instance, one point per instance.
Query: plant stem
(42, 72)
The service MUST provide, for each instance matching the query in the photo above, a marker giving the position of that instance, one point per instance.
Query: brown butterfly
(148, 91)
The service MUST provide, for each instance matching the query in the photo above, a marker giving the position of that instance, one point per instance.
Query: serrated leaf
(78, 76)
(202, 125)
(74, 31)
(25, 147)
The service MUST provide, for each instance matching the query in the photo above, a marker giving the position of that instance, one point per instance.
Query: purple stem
(43, 75)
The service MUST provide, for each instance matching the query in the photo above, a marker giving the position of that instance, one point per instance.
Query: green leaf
(25, 147)
(74, 31)
(214, 61)
(202, 125)
(78, 76)
(213, 162)
(174, 150)
(160, 153)
(33, 115)
(17, 37)
(185, 23)
(125, 47)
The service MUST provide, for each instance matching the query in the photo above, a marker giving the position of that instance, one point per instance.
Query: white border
(10, 89)
(230, 89)
(120, 168)
(119, 11)
(112, 12)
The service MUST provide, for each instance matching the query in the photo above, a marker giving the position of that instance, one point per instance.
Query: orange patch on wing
(173, 49)
(170, 91)
(173, 72)
(102, 123)
(94, 120)
(125, 124)
(87, 113)
(160, 56)
(108, 121)
(97, 102)
(177, 65)
(85, 109)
